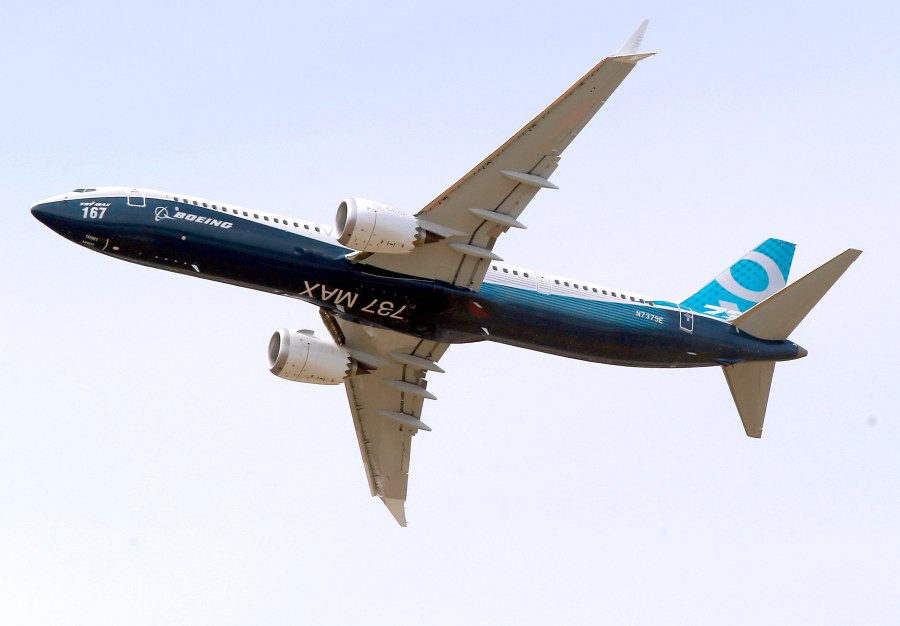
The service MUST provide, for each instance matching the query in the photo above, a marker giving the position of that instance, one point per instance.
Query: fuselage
(299, 259)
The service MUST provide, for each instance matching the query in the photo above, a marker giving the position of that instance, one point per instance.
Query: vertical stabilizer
(750, 280)
(750, 384)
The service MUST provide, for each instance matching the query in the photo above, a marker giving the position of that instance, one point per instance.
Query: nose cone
(801, 352)
(48, 211)
(54, 213)
(41, 212)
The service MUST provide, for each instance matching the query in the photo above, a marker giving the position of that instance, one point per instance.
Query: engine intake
(299, 356)
(369, 226)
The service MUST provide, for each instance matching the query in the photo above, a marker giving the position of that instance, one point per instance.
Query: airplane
(396, 290)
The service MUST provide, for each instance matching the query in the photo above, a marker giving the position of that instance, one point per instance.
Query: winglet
(633, 43)
(395, 506)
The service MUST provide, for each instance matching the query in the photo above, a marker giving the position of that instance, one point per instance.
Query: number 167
(94, 212)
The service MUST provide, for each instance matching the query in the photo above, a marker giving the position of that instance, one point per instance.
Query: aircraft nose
(42, 212)
(801, 352)
(53, 213)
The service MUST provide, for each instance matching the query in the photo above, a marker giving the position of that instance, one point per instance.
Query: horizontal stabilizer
(750, 384)
(778, 315)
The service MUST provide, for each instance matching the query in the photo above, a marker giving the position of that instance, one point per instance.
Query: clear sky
(152, 471)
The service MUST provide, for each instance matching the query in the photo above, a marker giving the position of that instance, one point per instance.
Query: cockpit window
(87, 189)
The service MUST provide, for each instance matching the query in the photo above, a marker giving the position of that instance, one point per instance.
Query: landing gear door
(686, 320)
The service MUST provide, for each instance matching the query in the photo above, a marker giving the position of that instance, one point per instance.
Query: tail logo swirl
(776, 279)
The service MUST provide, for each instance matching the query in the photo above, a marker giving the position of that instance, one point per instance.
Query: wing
(386, 401)
(470, 215)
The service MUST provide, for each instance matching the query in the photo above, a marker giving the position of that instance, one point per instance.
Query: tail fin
(774, 319)
(753, 278)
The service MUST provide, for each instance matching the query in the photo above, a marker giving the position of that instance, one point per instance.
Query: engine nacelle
(299, 356)
(369, 226)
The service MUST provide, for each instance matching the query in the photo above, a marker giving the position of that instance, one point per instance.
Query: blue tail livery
(753, 278)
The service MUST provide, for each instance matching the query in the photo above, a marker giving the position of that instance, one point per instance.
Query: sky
(152, 471)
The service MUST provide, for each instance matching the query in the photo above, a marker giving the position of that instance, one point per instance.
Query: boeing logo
(162, 213)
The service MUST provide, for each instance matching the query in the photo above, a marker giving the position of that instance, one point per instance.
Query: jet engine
(369, 226)
(299, 356)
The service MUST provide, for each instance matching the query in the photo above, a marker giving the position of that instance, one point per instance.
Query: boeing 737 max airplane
(396, 290)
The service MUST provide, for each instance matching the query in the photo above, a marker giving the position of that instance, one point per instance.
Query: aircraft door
(136, 198)
(686, 320)
(543, 284)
